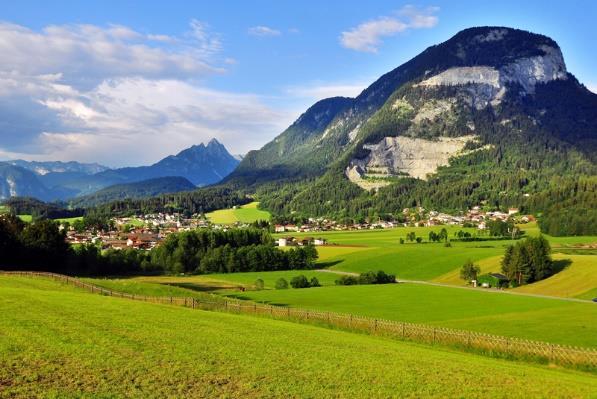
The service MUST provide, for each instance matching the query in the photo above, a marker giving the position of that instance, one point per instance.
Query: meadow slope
(59, 342)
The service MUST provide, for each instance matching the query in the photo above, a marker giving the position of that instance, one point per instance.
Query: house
(282, 242)
(512, 211)
(496, 280)
(320, 241)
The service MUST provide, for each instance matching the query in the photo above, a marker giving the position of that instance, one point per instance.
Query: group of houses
(300, 241)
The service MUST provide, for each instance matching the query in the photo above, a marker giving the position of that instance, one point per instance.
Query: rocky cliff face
(394, 157)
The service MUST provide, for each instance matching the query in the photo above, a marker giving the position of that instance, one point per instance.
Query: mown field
(542, 319)
(245, 214)
(58, 342)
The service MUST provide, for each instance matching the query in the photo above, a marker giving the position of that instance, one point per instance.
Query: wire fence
(468, 340)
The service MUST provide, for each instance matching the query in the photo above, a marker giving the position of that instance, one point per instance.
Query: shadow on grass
(561, 264)
(325, 265)
(201, 288)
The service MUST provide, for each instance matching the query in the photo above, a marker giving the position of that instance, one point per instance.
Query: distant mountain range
(198, 165)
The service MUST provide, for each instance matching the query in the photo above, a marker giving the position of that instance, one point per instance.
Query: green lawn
(4, 209)
(63, 343)
(552, 320)
(245, 214)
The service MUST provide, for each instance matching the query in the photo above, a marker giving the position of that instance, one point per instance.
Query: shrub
(347, 280)
(281, 284)
(448, 244)
(314, 282)
(402, 241)
(259, 284)
(300, 282)
(419, 239)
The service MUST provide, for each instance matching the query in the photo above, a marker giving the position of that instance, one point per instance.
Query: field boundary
(494, 345)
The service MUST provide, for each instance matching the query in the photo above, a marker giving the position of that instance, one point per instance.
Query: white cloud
(138, 121)
(263, 31)
(367, 37)
(87, 54)
(120, 97)
(592, 87)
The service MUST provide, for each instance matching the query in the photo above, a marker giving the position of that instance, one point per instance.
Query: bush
(300, 282)
(259, 284)
(448, 244)
(419, 239)
(281, 284)
(347, 280)
(379, 277)
(469, 271)
(314, 282)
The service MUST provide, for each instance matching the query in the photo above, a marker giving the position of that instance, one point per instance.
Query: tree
(281, 284)
(528, 261)
(314, 282)
(299, 282)
(411, 236)
(419, 240)
(443, 234)
(259, 284)
(469, 271)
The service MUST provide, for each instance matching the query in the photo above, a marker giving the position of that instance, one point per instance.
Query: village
(145, 232)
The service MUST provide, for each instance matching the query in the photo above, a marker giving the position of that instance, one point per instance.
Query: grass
(543, 319)
(140, 287)
(575, 280)
(244, 214)
(4, 209)
(69, 220)
(381, 250)
(26, 218)
(57, 343)
(229, 281)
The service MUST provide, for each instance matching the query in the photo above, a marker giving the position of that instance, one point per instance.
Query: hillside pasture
(232, 281)
(248, 213)
(542, 319)
(62, 343)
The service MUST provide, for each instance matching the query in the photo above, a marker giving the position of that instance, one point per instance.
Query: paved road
(495, 291)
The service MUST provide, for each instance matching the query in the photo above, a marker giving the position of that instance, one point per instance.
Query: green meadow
(542, 319)
(59, 342)
(244, 214)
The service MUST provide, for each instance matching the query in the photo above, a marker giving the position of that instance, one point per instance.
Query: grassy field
(553, 320)
(56, 342)
(578, 278)
(244, 214)
(381, 249)
(233, 280)
(4, 209)
(139, 287)
(69, 220)
(26, 218)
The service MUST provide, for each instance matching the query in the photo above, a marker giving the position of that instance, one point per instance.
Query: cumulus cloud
(368, 36)
(263, 31)
(592, 87)
(118, 96)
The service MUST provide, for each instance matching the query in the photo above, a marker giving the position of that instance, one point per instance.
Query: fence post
(375, 325)
(434, 336)
(403, 330)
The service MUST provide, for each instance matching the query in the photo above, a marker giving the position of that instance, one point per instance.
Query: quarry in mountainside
(395, 157)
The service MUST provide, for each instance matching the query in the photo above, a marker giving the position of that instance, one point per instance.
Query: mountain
(18, 181)
(490, 116)
(142, 189)
(44, 168)
(200, 165)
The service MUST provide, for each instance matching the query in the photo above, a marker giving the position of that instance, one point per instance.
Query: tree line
(41, 246)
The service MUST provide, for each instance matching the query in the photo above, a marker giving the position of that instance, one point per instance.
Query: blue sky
(126, 83)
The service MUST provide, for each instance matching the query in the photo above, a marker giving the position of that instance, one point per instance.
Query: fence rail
(468, 340)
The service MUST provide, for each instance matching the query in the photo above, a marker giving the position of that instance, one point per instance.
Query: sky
(126, 83)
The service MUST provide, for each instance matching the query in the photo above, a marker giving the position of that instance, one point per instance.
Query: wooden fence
(467, 340)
